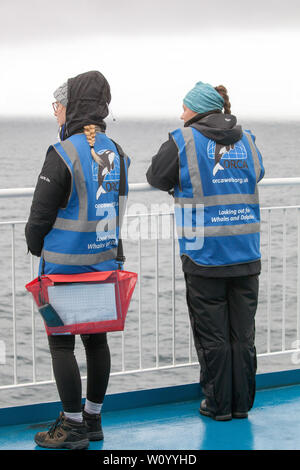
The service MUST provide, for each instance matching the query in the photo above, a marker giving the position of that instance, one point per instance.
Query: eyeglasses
(55, 105)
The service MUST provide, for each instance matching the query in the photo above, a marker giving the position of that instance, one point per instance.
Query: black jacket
(88, 99)
(163, 174)
(51, 193)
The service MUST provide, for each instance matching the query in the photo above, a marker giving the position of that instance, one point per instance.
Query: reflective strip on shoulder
(82, 224)
(59, 153)
(191, 155)
(195, 176)
(71, 152)
(254, 155)
(79, 259)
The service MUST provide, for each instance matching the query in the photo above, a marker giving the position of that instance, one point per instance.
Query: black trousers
(66, 371)
(222, 314)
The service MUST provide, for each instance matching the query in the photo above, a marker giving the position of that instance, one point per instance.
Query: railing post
(298, 276)
(283, 280)
(13, 262)
(269, 285)
(123, 350)
(173, 288)
(140, 293)
(33, 325)
(157, 291)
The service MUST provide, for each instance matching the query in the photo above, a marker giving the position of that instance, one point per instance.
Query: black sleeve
(163, 172)
(51, 193)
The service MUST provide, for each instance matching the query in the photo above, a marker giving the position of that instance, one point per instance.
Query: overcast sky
(152, 53)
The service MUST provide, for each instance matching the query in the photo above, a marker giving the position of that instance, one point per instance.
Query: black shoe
(93, 425)
(64, 433)
(205, 411)
(239, 414)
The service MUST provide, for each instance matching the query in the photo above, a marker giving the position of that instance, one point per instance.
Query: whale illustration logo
(105, 160)
(219, 152)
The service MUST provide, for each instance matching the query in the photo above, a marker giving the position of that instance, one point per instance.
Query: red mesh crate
(85, 303)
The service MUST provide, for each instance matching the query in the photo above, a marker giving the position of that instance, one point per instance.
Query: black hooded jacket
(164, 170)
(163, 174)
(88, 99)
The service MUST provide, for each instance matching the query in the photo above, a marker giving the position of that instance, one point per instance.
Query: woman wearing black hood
(68, 228)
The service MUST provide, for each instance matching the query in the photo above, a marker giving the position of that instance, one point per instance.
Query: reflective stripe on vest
(217, 217)
(220, 199)
(81, 226)
(79, 260)
(196, 182)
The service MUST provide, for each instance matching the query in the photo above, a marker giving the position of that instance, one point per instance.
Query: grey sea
(23, 145)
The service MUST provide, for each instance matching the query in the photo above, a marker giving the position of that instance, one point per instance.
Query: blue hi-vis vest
(216, 201)
(85, 234)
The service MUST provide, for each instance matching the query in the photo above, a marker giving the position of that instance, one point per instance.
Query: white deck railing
(27, 192)
(281, 346)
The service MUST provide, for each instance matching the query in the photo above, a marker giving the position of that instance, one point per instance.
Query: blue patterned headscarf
(202, 98)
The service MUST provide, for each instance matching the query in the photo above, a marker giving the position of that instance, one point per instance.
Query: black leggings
(66, 371)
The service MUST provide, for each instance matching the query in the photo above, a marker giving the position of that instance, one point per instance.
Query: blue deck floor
(273, 423)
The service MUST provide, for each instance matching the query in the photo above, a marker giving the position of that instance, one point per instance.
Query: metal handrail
(16, 192)
(23, 192)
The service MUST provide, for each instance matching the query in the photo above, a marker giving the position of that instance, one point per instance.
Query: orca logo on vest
(232, 156)
(106, 173)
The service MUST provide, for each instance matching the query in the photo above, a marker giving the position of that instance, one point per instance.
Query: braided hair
(223, 92)
(90, 133)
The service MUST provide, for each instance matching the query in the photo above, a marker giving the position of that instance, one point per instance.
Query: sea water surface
(23, 145)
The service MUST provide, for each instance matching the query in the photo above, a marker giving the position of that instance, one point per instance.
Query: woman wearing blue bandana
(211, 167)
(203, 98)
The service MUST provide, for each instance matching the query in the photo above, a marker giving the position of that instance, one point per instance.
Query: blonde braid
(223, 92)
(90, 133)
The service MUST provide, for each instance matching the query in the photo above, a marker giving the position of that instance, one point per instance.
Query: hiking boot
(64, 433)
(93, 426)
(205, 411)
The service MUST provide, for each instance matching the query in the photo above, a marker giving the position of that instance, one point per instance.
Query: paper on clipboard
(83, 303)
